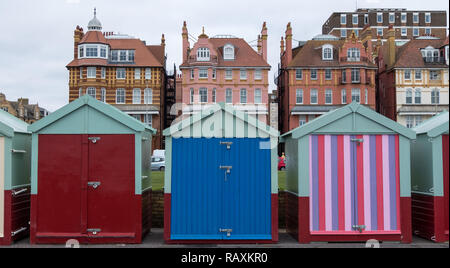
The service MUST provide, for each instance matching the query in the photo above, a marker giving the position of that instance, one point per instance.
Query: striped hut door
(354, 184)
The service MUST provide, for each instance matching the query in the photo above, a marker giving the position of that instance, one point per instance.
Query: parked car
(158, 163)
(281, 164)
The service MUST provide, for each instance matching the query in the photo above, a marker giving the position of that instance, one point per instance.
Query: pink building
(225, 69)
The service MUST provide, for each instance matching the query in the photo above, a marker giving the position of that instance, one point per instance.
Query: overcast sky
(36, 36)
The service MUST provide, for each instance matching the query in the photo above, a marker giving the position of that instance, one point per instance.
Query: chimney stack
(186, 45)
(264, 41)
(282, 46)
(259, 45)
(390, 61)
(288, 43)
(77, 36)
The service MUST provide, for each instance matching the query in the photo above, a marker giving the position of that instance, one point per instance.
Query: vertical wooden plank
(2, 185)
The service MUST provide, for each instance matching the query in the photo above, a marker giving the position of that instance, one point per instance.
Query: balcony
(193, 59)
(347, 59)
(358, 81)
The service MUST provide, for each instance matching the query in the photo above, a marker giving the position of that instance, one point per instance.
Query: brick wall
(158, 209)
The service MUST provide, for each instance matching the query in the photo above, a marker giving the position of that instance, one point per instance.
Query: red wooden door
(110, 191)
(59, 189)
(445, 165)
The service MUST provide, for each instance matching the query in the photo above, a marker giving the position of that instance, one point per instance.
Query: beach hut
(90, 176)
(348, 178)
(15, 158)
(221, 182)
(430, 163)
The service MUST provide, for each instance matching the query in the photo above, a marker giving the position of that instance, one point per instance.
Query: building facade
(22, 109)
(122, 71)
(323, 74)
(413, 79)
(225, 69)
(407, 24)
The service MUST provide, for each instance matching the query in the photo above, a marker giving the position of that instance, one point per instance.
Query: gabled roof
(435, 126)
(353, 108)
(94, 37)
(245, 55)
(101, 107)
(10, 124)
(178, 127)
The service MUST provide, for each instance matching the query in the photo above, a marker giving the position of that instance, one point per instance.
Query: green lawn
(158, 180)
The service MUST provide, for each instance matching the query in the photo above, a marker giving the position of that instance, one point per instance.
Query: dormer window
(203, 54)
(228, 52)
(327, 52)
(122, 56)
(353, 54)
(430, 54)
(92, 51)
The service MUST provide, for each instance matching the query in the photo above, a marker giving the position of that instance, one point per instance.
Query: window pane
(229, 96)
(243, 96)
(136, 96)
(148, 96)
(258, 97)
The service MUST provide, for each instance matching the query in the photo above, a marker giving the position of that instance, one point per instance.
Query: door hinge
(228, 168)
(228, 231)
(94, 139)
(94, 184)
(359, 228)
(227, 143)
(94, 231)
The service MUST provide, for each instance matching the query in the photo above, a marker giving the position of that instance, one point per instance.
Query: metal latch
(94, 231)
(358, 141)
(94, 184)
(16, 193)
(228, 168)
(227, 143)
(18, 151)
(18, 231)
(94, 139)
(359, 228)
(228, 231)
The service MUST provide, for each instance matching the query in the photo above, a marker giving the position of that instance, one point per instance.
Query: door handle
(228, 168)
(228, 231)
(94, 184)
(228, 144)
(94, 139)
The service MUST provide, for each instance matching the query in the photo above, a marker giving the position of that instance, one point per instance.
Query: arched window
(203, 54)
(137, 96)
(120, 96)
(327, 52)
(148, 96)
(91, 91)
(228, 52)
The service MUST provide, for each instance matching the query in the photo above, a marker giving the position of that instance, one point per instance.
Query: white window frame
(366, 96)
(214, 95)
(228, 52)
(355, 16)
(229, 74)
(214, 73)
(344, 96)
(192, 73)
(409, 121)
(391, 17)
(435, 96)
(418, 74)
(148, 119)
(343, 32)
(299, 96)
(366, 19)
(258, 96)
(404, 17)
(409, 96)
(89, 92)
(148, 73)
(353, 75)
(428, 31)
(120, 93)
(203, 94)
(258, 74)
(416, 31)
(327, 52)
(416, 18)
(91, 51)
(203, 54)
(328, 94)
(418, 96)
(91, 72)
(229, 96)
(202, 73)
(301, 120)
(136, 96)
(314, 93)
(191, 96)
(379, 17)
(103, 94)
(316, 74)
(330, 72)
(148, 96)
(243, 74)
(356, 95)
(407, 74)
(103, 73)
(299, 74)
(343, 19)
(81, 72)
(404, 31)
(353, 54)
(427, 17)
(119, 73)
(137, 73)
(243, 98)
(379, 31)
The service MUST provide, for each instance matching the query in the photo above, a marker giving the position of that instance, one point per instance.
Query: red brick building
(122, 71)
(323, 74)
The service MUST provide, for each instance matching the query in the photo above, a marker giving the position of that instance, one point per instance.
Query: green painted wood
(146, 161)
(111, 112)
(6, 131)
(21, 162)
(34, 163)
(422, 165)
(303, 187)
(138, 163)
(353, 118)
(292, 165)
(168, 171)
(435, 126)
(405, 166)
(8, 163)
(438, 169)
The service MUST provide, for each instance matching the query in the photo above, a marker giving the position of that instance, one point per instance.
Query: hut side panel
(2, 188)
(445, 148)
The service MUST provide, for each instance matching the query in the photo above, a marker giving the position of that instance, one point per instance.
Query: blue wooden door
(210, 203)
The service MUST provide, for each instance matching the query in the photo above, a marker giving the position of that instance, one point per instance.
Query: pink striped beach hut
(349, 178)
